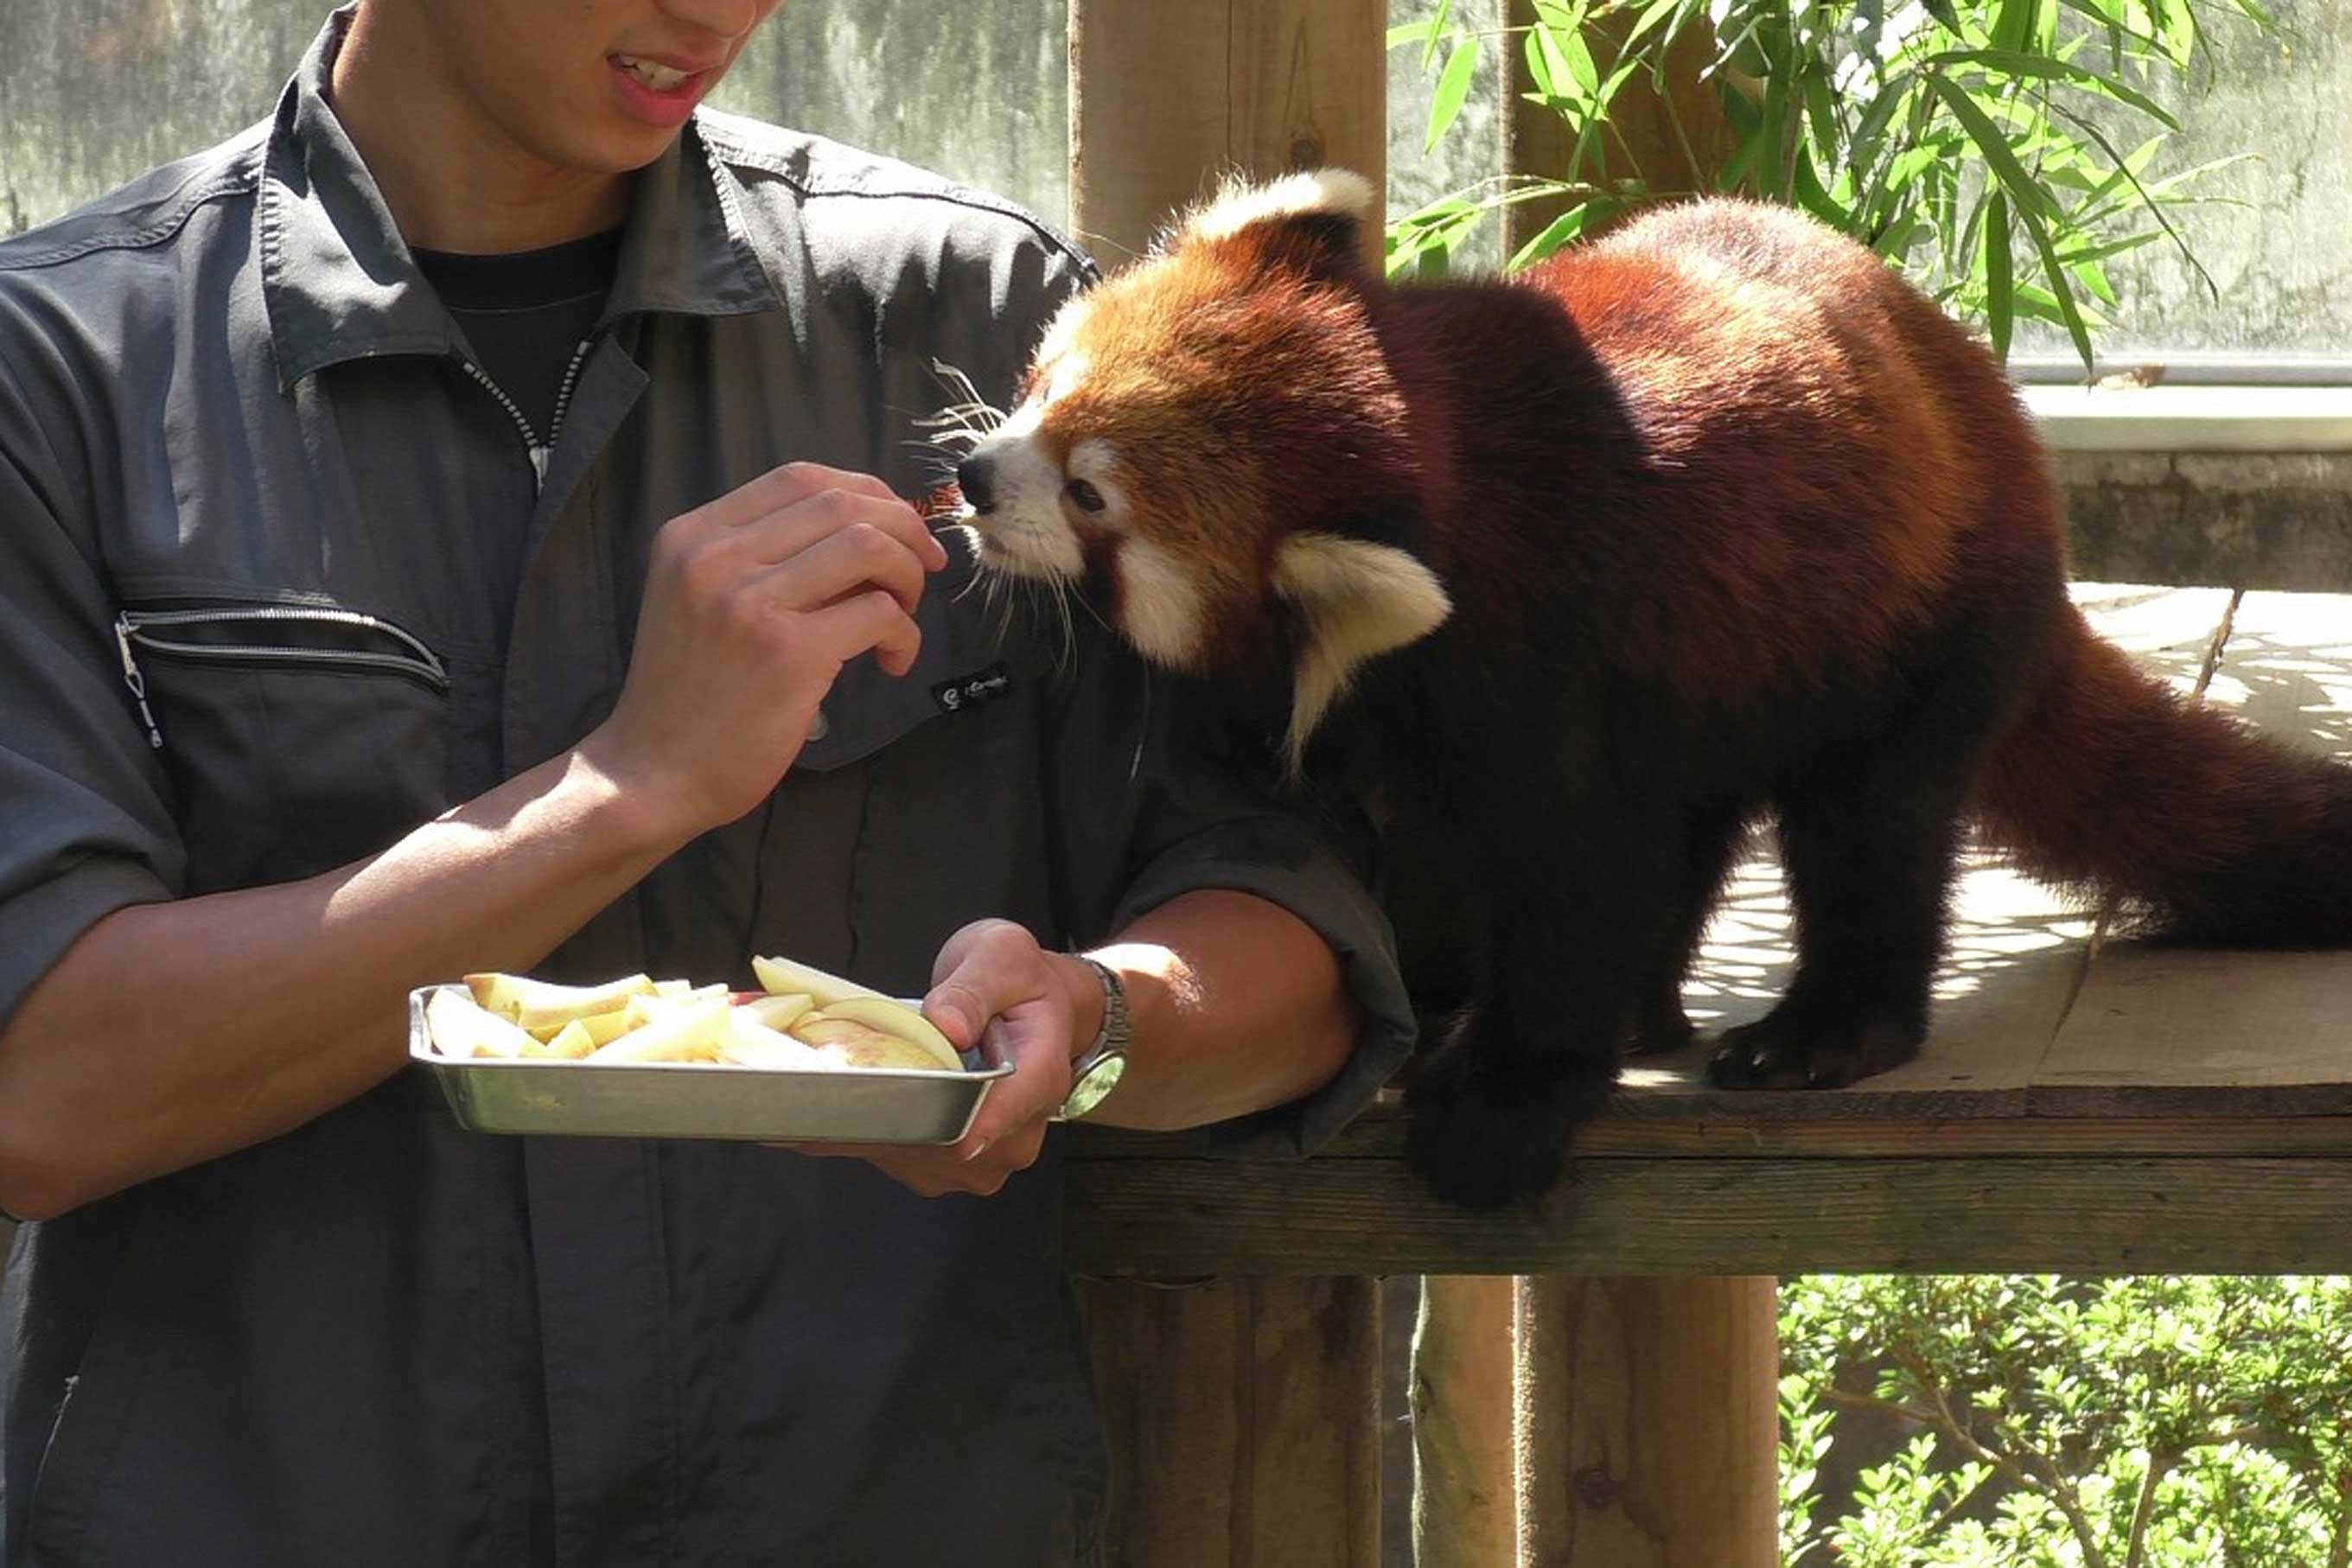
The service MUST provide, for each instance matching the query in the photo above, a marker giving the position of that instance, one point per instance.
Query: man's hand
(753, 603)
(991, 980)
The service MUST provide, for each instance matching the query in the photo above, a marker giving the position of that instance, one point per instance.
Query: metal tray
(695, 1100)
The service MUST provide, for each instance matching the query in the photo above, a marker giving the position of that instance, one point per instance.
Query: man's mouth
(654, 74)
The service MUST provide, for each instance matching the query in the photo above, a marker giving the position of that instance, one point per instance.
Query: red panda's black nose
(976, 476)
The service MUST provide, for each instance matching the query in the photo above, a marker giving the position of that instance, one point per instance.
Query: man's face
(598, 85)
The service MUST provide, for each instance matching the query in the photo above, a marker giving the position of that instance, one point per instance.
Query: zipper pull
(539, 457)
(136, 681)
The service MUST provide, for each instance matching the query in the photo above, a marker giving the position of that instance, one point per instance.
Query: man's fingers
(839, 564)
(787, 485)
(790, 509)
(870, 622)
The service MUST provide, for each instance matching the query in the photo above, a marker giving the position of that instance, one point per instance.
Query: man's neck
(453, 179)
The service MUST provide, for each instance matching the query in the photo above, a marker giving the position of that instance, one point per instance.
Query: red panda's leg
(1576, 907)
(1711, 833)
(1869, 842)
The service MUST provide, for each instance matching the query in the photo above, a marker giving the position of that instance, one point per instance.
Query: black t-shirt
(526, 313)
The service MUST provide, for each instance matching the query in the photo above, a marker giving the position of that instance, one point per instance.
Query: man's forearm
(1236, 1006)
(172, 1033)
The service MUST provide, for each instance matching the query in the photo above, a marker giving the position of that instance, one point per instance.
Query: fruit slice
(569, 1043)
(852, 1044)
(776, 1011)
(458, 1027)
(531, 1003)
(747, 1042)
(682, 1031)
(895, 1018)
(782, 976)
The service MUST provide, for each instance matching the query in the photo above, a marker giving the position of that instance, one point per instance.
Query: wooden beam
(1166, 98)
(1244, 1417)
(1464, 1493)
(1635, 1217)
(1648, 1423)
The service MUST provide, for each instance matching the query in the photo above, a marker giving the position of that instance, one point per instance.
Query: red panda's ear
(1320, 215)
(1358, 599)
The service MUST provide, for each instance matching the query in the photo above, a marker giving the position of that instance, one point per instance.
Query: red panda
(1580, 574)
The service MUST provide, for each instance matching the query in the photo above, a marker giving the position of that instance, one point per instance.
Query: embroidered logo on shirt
(971, 690)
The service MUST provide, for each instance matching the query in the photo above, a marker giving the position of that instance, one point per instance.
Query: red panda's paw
(1787, 1049)
(1661, 1030)
(1483, 1141)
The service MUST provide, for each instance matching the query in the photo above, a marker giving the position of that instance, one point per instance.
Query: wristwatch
(1097, 1069)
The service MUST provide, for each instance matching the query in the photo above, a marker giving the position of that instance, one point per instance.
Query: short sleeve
(84, 798)
(1163, 787)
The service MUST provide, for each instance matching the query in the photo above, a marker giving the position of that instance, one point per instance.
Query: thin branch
(2160, 1465)
(2051, 1485)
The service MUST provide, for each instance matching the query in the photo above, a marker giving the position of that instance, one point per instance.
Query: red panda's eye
(1083, 496)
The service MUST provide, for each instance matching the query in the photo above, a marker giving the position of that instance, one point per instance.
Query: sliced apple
(684, 1031)
(782, 976)
(460, 1028)
(852, 1044)
(530, 1003)
(895, 1018)
(570, 1043)
(747, 1042)
(776, 1011)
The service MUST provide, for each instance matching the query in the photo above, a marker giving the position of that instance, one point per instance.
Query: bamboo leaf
(1554, 235)
(1453, 89)
(1405, 33)
(1437, 29)
(2010, 62)
(2023, 190)
(2028, 198)
(2000, 293)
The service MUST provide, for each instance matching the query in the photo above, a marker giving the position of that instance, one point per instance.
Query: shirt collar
(340, 284)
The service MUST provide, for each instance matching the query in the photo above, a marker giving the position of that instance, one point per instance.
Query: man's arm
(1235, 1003)
(169, 1033)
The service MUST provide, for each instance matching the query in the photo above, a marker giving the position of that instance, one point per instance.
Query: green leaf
(2024, 189)
(2010, 62)
(2000, 294)
(1453, 89)
(2031, 201)
(1554, 235)
(1580, 62)
(1419, 32)
(1437, 29)
(2012, 21)
(1820, 113)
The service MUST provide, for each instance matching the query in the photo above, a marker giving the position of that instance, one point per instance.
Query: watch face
(1094, 1084)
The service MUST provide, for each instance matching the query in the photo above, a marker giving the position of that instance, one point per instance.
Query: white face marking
(1026, 529)
(1160, 605)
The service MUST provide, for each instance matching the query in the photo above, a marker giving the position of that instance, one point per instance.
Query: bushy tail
(2205, 831)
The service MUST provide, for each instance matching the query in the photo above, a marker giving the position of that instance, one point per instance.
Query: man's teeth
(660, 78)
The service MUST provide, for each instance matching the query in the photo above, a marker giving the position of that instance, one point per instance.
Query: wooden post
(1244, 1415)
(1465, 1493)
(1648, 1423)
(1244, 1421)
(1164, 98)
(1676, 142)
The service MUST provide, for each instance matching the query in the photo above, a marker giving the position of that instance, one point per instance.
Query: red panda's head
(1213, 438)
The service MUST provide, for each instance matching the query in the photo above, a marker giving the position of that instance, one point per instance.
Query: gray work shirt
(232, 418)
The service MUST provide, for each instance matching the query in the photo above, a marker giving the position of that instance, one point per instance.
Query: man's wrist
(1090, 1002)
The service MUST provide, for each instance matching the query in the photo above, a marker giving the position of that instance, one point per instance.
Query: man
(455, 526)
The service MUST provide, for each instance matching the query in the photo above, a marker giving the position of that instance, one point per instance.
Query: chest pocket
(299, 736)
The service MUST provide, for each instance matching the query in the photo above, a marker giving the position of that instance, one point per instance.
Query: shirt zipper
(538, 452)
(133, 629)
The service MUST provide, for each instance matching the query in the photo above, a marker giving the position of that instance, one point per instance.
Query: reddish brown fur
(1732, 522)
